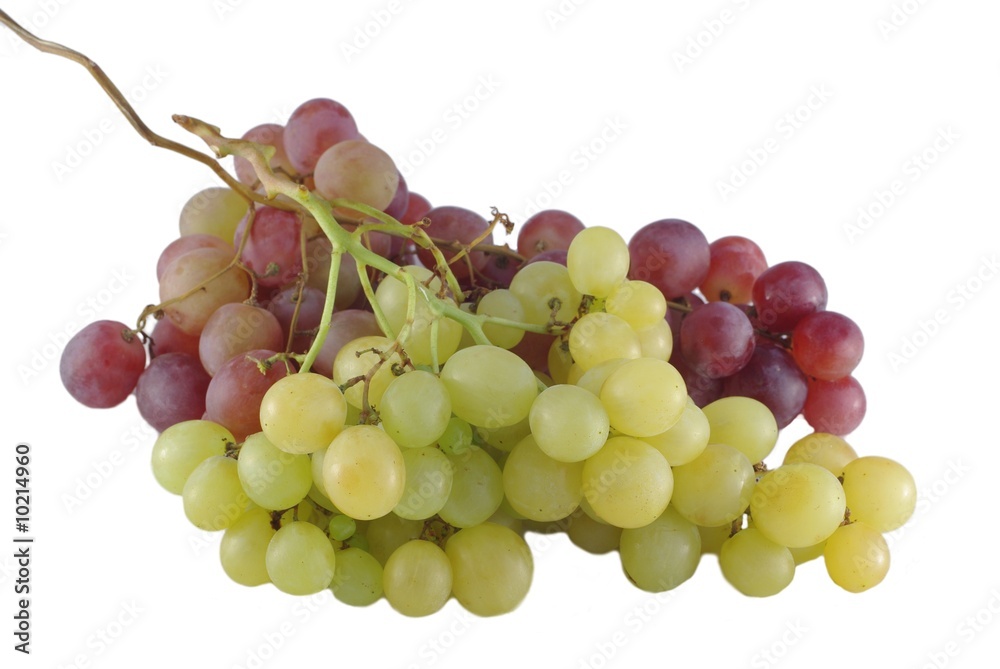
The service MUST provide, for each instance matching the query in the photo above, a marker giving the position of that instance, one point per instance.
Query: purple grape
(416, 208)
(548, 230)
(671, 254)
(101, 364)
(234, 394)
(552, 255)
(702, 389)
(273, 250)
(282, 305)
(786, 293)
(172, 390)
(500, 269)
(716, 340)
(314, 127)
(400, 201)
(836, 407)
(772, 378)
(345, 326)
(168, 338)
(457, 225)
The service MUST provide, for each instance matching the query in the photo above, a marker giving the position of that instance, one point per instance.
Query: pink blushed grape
(101, 364)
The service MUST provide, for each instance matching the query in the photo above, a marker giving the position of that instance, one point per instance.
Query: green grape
(213, 496)
(714, 489)
(244, 545)
(491, 568)
(686, 440)
(302, 413)
(856, 557)
(429, 477)
(505, 438)
(597, 261)
(559, 360)
(457, 436)
(568, 423)
(417, 578)
(182, 447)
(321, 500)
(363, 472)
(393, 297)
(316, 468)
(502, 303)
(539, 487)
(880, 492)
(712, 538)
(755, 565)
(489, 386)
(644, 397)
(592, 380)
(357, 577)
(359, 541)
(598, 337)
(213, 211)
(356, 359)
(656, 341)
(476, 490)
(745, 424)
(640, 303)
(798, 505)
(545, 286)
(591, 535)
(821, 448)
(415, 409)
(663, 554)
(273, 478)
(807, 553)
(300, 559)
(341, 527)
(388, 533)
(627, 483)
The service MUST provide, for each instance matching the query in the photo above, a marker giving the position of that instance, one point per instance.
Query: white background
(119, 559)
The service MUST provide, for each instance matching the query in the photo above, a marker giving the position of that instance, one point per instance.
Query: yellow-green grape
(568, 423)
(821, 448)
(417, 578)
(341, 527)
(559, 360)
(663, 554)
(388, 533)
(457, 436)
(573, 375)
(363, 472)
(686, 440)
(182, 447)
(316, 467)
(712, 538)
(300, 559)
(743, 423)
(489, 386)
(505, 438)
(244, 546)
(714, 488)
(593, 379)
(502, 303)
(507, 517)
(476, 489)
(429, 477)
(755, 565)
(627, 483)
(272, 478)
(357, 577)
(644, 397)
(213, 211)
(880, 492)
(213, 496)
(640, 303)
(856, 557)
(593, 536)
(356, 359)
(656, 341)
(491, 568)
(302, 413)
(598, 337)
(393, 297)
(807, 553)
(798, 505)
(538, 487)
(415, 409)
(597, 260)
(542, 286)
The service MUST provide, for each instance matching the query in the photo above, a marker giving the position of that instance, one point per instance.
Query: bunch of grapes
(368, 394)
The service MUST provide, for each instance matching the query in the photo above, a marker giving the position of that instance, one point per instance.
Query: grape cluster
(365, 393)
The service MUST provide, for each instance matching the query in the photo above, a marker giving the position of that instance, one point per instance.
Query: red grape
(101, 364)
(836, 407)
(671, 254)
(172, 390)
(827, 345)
(734, 264)
(786, 293)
